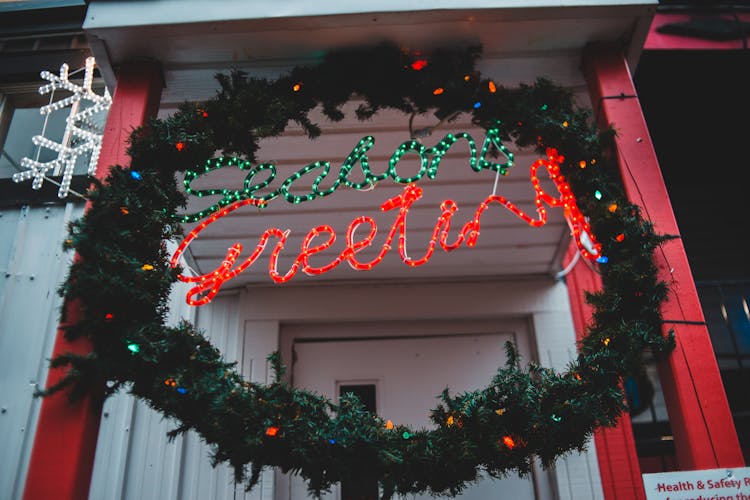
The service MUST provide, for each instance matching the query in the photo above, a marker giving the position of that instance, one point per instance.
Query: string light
(449, 421)
(180, 146)
(109, 317)
(134, 348)
(500, 411)
(147, 267)
(430, 159)
(389, 425)
(209, 284)
(555, 418)
(406, 435)
(598, 194)
(582, 163)
(612, 208)
(182, 390)
(491, 86)
(509, 442)
(419, 64)
(124, 210)
(438, 91)
(136, 175)
(297, 87)
(170, 382)
(477, 105)
(272, 431)
(620, 238)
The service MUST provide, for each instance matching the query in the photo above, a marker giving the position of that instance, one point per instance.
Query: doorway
(398, 369)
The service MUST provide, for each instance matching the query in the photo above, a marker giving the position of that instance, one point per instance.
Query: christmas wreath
(124, 277)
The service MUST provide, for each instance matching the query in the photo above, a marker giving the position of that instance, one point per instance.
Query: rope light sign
(208, 285)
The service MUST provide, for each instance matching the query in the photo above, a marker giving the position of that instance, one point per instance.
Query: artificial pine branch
(123, 282)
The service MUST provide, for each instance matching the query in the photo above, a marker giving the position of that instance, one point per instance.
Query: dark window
(365, 393)
(725, 306)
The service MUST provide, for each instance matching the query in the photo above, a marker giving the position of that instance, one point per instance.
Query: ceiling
(519, 43)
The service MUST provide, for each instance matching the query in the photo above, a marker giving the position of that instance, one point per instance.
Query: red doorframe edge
(702, 425)
(619, 468)
(62, 457)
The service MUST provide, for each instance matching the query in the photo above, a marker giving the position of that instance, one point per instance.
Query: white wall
(576, 476)
(134, 460)
(32, 266)
(543, 303)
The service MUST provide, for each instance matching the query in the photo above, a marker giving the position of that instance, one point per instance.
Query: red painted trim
(702, 424)
(139, 88)
(663, 41)
(619, 468)
(62, 457)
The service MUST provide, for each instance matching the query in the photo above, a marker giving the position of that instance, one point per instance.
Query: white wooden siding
(135, 461)
(32, 266)
(133, 455)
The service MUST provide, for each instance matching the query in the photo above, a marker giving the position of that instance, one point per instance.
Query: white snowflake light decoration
(80, 136)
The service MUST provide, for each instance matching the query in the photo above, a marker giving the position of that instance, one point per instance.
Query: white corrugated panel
(32, 266)
(134, 459)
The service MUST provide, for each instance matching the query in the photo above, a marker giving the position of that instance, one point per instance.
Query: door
(399, 369)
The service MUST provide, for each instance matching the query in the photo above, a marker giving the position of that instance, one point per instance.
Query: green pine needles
(123, 280)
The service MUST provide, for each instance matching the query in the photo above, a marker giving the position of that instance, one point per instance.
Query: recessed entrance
(398, 369)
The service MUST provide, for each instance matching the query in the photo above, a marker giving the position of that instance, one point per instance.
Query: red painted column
(704, 432)
(615, 447)
(62, 457)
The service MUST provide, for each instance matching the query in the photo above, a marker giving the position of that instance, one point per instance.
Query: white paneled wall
(134, 459)
(32, 266)
(576, 475)
(543, 303)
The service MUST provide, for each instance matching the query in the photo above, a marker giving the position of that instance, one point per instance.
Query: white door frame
(543, 303)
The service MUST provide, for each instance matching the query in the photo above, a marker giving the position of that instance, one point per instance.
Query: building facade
(395, 335)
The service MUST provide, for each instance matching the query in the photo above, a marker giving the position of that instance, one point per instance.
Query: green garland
(123, 280)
